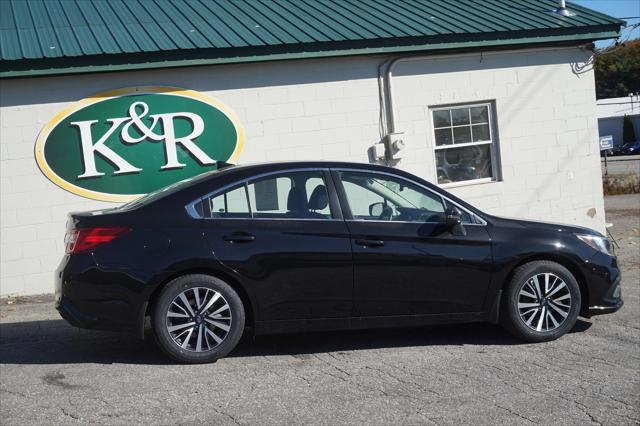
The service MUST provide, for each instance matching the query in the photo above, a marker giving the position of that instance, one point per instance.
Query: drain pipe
(392, 139)
(389, 101)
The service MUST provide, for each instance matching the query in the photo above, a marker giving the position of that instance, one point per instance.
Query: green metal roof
(57, 36)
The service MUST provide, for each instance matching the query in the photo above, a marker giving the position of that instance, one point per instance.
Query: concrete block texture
(547, 136)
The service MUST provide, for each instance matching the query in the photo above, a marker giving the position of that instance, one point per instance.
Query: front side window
(287, 195)
(465, 148)
(379, 197)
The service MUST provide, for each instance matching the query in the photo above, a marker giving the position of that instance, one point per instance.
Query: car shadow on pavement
(56, 342)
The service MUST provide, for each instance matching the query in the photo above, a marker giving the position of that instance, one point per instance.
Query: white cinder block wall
(546, 122)
(329, 109)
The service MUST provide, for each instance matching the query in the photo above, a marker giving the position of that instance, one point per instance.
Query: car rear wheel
(197, 319)
(541, 302)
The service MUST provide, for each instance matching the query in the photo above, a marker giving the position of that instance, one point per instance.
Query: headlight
(602, 244)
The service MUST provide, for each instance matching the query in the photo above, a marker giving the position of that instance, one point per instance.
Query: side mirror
(453, 220)
(452, 217)
(376, 209)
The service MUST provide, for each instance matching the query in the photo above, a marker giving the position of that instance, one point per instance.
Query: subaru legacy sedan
(305, 246)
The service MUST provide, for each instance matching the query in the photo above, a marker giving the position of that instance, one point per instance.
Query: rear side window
(287, 195)
(232, 203)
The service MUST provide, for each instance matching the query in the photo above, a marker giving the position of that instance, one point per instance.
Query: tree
(628, 133)
(617, 71)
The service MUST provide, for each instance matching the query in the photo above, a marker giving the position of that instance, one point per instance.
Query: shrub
(621, 184)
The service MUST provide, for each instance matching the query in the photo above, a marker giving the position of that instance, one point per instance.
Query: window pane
(441, 118)
(460, 164)
(270, 195)
(481, 132)
(360, 199)
(462, 134)
(318, 203)
(460, 116)
(232, 203)
(480, 114)
(443, 137)
(294, 195)
(378, 197)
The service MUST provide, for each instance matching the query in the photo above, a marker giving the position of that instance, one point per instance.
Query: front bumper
(604, 283)
(612, 301)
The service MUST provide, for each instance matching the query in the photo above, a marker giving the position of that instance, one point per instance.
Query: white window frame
(493, 142)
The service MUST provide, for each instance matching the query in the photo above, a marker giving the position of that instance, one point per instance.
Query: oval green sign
(119, 145)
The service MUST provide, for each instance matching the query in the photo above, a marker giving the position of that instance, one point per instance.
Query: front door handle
(239, 238)
(370, 243)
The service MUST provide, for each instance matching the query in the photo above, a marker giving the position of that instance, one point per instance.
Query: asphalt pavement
(51, 373)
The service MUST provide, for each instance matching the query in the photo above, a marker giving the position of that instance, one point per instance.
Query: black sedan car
(317, 246)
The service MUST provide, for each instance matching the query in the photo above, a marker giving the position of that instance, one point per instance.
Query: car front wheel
(197, 319)
(541, 302)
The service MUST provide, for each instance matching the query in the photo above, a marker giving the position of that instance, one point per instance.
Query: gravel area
(52, 373)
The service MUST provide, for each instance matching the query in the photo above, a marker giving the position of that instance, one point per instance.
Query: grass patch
(621, 184)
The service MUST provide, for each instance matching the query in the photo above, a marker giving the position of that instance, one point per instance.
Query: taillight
(85, 239)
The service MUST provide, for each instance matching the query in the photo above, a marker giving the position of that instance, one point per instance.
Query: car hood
(545, 226)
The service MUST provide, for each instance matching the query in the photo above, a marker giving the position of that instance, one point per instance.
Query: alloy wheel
(544, 302)
(199, 319)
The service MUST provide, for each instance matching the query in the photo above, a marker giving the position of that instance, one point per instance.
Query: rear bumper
(90, 297)
(73, 315)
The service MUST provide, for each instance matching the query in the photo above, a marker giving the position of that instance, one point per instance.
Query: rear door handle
(239, 238)
(370, 243)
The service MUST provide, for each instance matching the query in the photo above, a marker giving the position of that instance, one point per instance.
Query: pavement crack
(330, 364)
(405, 382)
(422, 414)
(515, 413)
(69, 414)
(229, 416)
(15, 393)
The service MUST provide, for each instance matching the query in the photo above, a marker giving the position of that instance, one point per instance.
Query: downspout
(391, 122)
(389, 102)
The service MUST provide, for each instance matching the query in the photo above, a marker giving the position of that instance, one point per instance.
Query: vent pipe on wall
(562, 9)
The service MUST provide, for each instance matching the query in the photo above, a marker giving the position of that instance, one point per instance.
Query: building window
(465, 145)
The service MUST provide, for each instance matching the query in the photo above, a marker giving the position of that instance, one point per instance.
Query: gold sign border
(104, 196)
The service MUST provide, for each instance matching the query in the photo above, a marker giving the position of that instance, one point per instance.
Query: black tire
(160, 321)
(511, 318)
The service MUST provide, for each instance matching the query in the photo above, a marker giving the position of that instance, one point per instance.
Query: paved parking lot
(52, 373)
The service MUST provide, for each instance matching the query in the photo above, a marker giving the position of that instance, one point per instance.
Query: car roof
(278, 165)
(309, 163)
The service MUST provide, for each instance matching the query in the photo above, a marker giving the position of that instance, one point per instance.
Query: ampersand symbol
(147, 132)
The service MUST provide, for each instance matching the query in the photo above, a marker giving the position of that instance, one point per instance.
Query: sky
(629, 9)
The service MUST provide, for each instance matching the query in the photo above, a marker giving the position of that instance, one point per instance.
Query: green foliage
(628, 133)
(618, 71)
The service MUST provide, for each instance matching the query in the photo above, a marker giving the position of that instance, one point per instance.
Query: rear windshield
(167, 190)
